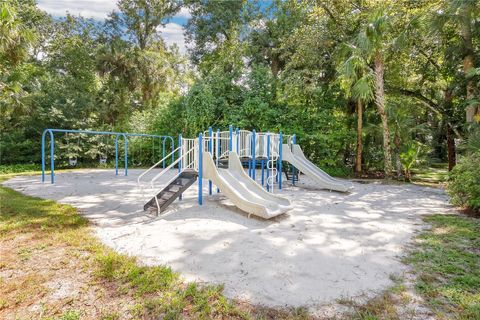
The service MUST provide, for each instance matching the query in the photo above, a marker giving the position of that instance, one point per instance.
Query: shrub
(464, 182)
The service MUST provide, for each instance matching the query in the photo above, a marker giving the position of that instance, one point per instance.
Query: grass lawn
(447, 263)
(52, 267)
(430, 175)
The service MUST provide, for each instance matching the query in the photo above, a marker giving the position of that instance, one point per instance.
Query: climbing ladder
(171, 191)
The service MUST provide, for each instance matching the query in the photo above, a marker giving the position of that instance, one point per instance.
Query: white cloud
(98, 9)
(184, 13)
(173, 33)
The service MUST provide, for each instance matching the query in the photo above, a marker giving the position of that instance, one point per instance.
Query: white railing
(261, 144)
(243, 145)
(271, 163)
(155, 165)
(219, 145)
(189, 154)
(223, 141)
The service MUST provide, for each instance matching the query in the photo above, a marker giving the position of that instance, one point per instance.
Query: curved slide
(245, 193)
(321, 178)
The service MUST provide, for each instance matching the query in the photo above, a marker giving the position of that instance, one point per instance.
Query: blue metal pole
(52, 158)
(230, 142)
(126, 153)
(163, 152)
(43, 155)
(200, 168)
(294, 141)
(237, 139)
(116, 154)
(217, 146)
(280, 150)
(210, 149)
(254, 145)
(268, 158)
(180, 157)
(276, 168)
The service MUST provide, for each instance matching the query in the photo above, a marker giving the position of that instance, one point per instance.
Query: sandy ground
(330, 246)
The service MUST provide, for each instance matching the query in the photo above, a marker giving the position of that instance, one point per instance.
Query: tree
(357, 79)
(466, 10)
(212, 24)
(140, 20)
(373, 41)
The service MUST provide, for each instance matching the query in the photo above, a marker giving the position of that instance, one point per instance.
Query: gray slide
(245, 193)
(321, 178)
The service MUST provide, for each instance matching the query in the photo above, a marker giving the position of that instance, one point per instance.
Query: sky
(99, 9)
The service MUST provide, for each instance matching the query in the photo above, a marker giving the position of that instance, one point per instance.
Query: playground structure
(220, 157)
(103, 160)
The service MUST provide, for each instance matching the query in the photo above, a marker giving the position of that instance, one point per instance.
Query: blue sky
(99, 9)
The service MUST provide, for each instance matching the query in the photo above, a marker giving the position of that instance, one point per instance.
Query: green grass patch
(158, 290)
(447, 262)
(18, 168)
(437, 174)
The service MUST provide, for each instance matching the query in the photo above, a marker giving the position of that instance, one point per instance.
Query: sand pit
(331, 245)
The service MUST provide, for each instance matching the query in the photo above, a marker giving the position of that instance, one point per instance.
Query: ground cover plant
(52, 265)
(446, 263)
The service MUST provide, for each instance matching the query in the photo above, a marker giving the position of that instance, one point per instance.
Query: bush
(18, 168)
(464, 182)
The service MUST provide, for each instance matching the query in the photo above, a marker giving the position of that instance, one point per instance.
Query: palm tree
(462, 14)
(15, 38)
(357, 79)
(373, 42)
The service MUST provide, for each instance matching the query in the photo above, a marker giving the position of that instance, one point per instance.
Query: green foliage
(464, 182)
(70, 315)
(446, 262)
(18, 168)
(157, 291)
(292, 66)
(125, 269)
(410, 157)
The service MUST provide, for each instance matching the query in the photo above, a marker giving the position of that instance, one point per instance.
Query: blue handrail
(200, 168)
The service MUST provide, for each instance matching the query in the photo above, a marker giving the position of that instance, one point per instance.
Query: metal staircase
(187, 164)
(171, 191)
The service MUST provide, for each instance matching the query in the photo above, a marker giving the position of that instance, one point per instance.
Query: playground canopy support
(111, 133)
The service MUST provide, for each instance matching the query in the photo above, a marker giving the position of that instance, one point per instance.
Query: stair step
(165, 195)
(175, 188)
(172, 191)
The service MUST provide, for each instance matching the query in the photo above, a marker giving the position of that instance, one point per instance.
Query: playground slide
(321, 178)
(242, 190)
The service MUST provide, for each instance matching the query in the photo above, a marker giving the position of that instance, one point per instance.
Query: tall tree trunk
(380, 102)
(468, 57)
(451, 149)
(398, 162)
(275, 65)
(358, 159)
